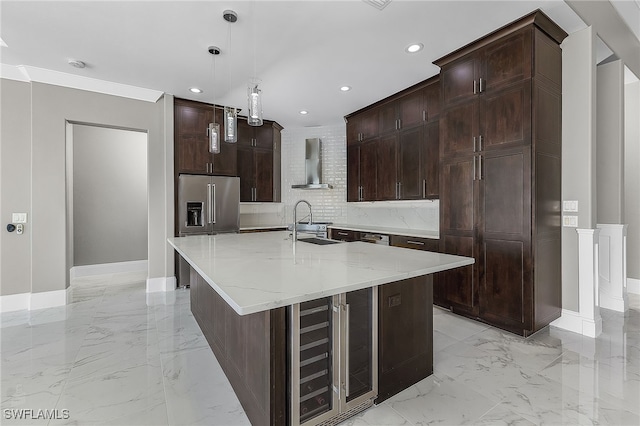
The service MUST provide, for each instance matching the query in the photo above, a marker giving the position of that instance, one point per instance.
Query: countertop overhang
(258, 271)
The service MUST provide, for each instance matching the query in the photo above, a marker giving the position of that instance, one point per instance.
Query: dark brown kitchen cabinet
(416, 243)
(259, 161)
(362, 171)
(191, 142)
(500, 156)
(344, 235)
(406, 146)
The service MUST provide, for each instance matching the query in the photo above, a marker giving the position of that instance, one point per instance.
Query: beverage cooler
(334, 357)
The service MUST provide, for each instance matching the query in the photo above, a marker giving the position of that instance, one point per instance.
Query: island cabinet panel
(500, 156)
(396, 159)
(251, 349)
(405, 327)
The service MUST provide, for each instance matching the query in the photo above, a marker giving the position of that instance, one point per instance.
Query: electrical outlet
(570, 221)
(570, 205)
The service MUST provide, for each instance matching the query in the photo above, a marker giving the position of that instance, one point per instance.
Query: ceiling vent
(378, 4)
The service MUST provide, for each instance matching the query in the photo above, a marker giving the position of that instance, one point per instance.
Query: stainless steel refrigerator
(206, 205)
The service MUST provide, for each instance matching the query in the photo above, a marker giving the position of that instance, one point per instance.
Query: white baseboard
(33, 301)
(572, 321)
(14, 302)
(161, 284)
(48, 299)
(108, 268)
(633, 286)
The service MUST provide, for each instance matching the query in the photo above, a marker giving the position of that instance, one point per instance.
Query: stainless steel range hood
(313, 166)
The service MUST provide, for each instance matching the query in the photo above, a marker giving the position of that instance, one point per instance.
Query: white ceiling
(303, 50)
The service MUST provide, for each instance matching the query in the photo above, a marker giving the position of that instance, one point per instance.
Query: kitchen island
(252, 298)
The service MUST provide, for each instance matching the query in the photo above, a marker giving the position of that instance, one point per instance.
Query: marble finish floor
(119, 356)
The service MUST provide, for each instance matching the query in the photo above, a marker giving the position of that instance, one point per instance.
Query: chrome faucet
(295, 220)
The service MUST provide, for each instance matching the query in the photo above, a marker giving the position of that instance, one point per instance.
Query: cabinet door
(405, 321)
(459, 79)
(363, 126)
(246, 172)
(505, 235)
(506, 61)
(264, 136)
(264, 175)
(458, 128)
(458, 201)
(410, 161)
(386, 160)
(192, 145)
(360, 343)
(353, 173)
(430, 162)
(432, 101)
(388, 117)
(368, 171)
(411, 111)
(505, 117)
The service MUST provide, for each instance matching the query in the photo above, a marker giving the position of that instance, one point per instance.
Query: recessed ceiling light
(415, 47)
(195, 90)
(345, 88)
(304, 112)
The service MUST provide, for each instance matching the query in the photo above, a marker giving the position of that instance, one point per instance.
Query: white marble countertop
(256, 272)
(258, 227)
(389, 231)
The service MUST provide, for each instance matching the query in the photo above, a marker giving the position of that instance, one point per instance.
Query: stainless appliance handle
(213, 203)
(347, 313)
(209, 202)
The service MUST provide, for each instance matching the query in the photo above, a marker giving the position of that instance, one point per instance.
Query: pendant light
(230, 114)
(254, 94)
(213, 130)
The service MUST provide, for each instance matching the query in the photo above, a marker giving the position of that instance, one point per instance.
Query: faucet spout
(295, 218)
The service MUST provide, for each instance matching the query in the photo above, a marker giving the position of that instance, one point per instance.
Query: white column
(588, 282)
(612, 266)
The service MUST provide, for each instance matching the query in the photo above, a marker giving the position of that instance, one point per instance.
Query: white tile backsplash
(330, 204)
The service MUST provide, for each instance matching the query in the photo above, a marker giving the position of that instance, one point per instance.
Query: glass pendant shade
(230, 125)
(214, 138)
(254, 116)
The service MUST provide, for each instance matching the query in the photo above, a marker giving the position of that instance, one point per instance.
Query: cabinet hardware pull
(399, 190)
(424, 115)
(480, 85)
(419, 243)
(399, 123)
(343, 233)
(424, 188)
(480, 142)
(474, 88)
(479, 167)
(474, 144)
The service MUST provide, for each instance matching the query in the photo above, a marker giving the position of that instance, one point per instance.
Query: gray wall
(109, 195)
(50, 109)
(15, 185)
(610, 143)
(578, 150)
(632, 177)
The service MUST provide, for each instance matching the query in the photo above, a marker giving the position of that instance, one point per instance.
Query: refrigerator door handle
(209, 204)
(213, 203)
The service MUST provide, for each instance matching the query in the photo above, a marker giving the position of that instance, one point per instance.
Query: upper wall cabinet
(191, 142)
(259, 161)
(392, 146)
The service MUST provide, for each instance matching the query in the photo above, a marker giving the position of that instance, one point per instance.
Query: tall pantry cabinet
(500, 159)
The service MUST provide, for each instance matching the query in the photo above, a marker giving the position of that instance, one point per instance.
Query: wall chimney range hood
(313, 166)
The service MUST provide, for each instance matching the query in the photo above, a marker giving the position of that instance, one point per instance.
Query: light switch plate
(18, 218)
(570, 221)
(570, 205)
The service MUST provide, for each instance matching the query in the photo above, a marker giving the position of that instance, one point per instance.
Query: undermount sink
(318, 241)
